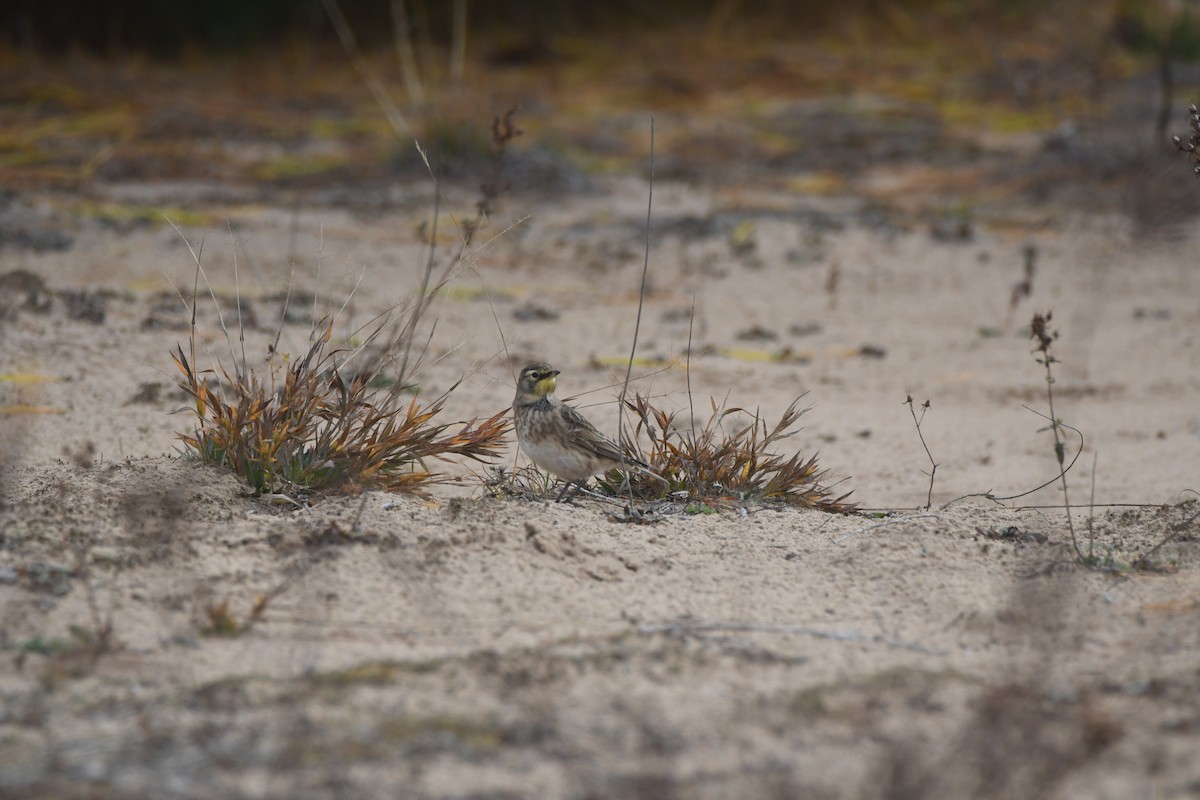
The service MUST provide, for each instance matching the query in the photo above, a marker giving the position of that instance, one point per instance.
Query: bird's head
(537, 380)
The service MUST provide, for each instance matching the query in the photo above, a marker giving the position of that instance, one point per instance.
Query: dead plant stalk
(1044, 338)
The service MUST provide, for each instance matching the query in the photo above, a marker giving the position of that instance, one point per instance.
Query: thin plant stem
(1045, 339)
(688, 367)
(637, 326)
(1059, 453)
(924, 407)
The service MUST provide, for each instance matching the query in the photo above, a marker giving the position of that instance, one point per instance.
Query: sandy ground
(463, 646)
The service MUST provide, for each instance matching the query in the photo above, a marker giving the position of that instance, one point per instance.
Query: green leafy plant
(715, 466)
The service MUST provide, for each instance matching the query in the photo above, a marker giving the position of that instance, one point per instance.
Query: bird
(559, 439)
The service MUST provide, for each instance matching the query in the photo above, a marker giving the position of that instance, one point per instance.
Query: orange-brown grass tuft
(717, 466)
(320, 433)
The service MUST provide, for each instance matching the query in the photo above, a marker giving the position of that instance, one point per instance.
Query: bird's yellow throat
(544, 387)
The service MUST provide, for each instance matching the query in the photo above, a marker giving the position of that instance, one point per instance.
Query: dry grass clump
(326, 429)
(318, 432)
(524, 483)
(716, 466)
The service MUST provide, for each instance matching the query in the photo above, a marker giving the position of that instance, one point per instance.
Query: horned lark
(557, 437)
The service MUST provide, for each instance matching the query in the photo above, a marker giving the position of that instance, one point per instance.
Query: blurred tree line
(164, 28)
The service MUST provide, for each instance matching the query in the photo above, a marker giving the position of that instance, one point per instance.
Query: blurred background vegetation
(165, 28)
(1029, 100)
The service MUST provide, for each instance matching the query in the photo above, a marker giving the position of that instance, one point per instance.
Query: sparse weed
(908, 401)
(1044, 337)
(713, 467)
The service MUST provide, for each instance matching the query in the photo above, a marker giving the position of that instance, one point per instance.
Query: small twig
(917, 421)
(884, 524)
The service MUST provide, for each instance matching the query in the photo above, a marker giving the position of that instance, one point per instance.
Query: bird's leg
(564, 496)
(563, 491)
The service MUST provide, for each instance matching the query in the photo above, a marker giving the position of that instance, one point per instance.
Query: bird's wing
(585, 435)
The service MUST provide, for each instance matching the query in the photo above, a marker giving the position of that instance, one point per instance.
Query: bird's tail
(641, 466)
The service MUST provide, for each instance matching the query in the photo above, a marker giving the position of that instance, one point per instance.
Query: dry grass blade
(718, 467)
(320, 433)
